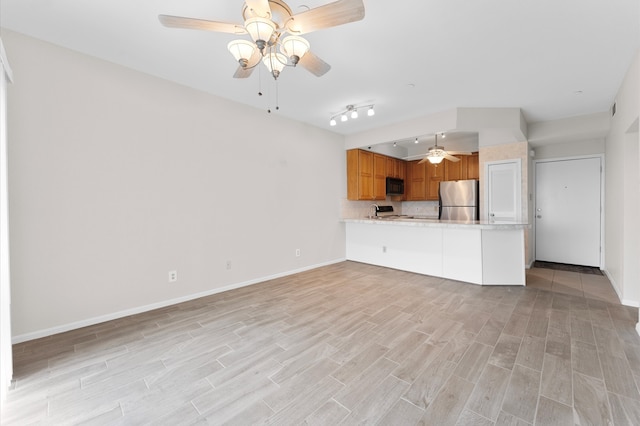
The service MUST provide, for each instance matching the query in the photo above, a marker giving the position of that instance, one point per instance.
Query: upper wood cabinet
(379, 177)
(366, 175)
(435, 175)
(415, 185)
(473, 166)
(466, 168)
(367, 172)
(396, 168)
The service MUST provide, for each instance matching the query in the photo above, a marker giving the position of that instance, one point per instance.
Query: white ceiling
(554, 59)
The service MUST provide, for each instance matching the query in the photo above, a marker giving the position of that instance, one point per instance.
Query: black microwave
(395, 186)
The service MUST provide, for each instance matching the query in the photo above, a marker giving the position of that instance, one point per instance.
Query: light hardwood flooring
(347, 344)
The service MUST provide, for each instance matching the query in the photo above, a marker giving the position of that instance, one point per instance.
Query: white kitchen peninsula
(477, 252)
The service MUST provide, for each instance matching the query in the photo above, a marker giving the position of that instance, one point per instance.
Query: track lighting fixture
(351, 111)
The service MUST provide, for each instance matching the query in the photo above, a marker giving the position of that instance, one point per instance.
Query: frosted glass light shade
(371, 112)
(294, 46)
(435, 160)
(241, 49)
(260, 28)
(275, 62)
(354, 113)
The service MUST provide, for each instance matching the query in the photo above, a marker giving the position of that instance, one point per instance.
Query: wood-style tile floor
(347, 344)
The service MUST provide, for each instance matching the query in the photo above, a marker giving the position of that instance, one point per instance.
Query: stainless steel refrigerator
(459, 200)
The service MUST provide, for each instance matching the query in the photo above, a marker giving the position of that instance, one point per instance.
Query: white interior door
(568, 210)
(503, 191)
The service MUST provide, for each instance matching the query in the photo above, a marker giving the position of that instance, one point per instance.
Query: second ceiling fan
(436, 153)
(266, 22)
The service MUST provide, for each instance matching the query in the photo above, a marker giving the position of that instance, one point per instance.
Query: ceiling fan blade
(244, 72)
(423, 160)
(200, 24)
(451, 158)
(327, 16)
(259, 8)
(314, 65)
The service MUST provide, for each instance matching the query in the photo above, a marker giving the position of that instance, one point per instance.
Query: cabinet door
(416, 184)
(402, 174)
(379, 177)
(455, 170)
(353, 174)
(402, 169)
(473, 166)
(435, 175)
(365, 175)
(391, 167)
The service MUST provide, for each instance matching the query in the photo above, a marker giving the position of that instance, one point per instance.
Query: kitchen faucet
(375, 210)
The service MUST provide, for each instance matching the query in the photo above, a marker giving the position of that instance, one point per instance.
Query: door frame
(518, 198)
(602, 198)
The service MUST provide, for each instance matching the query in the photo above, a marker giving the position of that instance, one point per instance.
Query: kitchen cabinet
(415, 185)
(473, 166)
(435, 175)
(466, 168)
(379, 177)
(481, 253)
(396, 168)
(423, 180)
(366, 175)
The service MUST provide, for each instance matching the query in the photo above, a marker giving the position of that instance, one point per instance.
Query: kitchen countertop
(436, 223)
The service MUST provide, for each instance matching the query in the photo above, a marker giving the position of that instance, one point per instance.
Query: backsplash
(360, 209)
(420, 208)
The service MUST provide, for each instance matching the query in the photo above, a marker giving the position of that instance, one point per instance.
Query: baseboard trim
(138, 310)
(626, 302)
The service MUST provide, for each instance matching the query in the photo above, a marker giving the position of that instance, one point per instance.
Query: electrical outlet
(228, 264)
(173, 276)
(297, 252)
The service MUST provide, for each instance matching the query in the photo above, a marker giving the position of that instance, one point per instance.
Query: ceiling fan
(266, 22)
(436, 153)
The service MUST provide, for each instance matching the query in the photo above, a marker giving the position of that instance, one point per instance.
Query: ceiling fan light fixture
(242, 50)
(435, 160)
(275, 63)
(295, 48)
(260, 30)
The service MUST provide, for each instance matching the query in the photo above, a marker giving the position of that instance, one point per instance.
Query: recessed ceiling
(553, 59)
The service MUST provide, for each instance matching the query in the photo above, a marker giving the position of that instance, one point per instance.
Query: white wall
(117, 177)
(570, 149)
(622, 211)
(6, 357)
